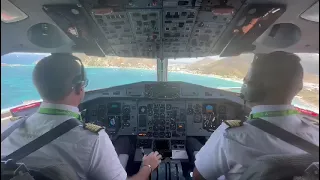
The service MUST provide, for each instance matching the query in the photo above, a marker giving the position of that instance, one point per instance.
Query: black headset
(80, 80)
(252, 92)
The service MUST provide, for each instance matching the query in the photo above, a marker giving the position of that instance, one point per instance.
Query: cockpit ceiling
(162, 28)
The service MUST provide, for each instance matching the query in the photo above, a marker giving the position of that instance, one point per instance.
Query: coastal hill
(113, 61)
(232, 67)
(237, 67)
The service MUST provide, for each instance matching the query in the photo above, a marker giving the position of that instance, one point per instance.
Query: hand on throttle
(153, 159)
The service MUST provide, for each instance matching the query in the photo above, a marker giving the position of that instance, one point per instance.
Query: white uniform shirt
(89, 155)
(228, 153)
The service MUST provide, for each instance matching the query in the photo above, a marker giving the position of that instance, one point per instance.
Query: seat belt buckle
(313, 170)
(10, 168)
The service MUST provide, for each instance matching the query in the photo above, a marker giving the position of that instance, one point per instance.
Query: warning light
(142, 134)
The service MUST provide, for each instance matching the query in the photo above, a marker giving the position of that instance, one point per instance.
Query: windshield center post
(162, 69)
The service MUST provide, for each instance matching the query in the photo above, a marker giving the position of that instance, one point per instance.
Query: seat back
(281, 167)
(13, 165)
(17, 171)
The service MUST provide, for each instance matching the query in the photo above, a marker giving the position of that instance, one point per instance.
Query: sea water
(17, 86)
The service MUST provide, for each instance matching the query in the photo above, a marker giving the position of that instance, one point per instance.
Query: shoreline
(210, 75)
(181, 72)
(237, 80)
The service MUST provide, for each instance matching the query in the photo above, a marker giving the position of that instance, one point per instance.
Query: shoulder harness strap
(92, 127)
(233, 123)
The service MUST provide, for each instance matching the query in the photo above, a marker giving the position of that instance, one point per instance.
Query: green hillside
(310, 96)
(237, 67)
(113, 61)
(231, 67)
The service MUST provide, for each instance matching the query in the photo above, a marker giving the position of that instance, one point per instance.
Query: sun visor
(10, 13)
(312, 14)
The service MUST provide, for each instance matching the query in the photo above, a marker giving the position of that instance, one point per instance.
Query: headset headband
(79, 78)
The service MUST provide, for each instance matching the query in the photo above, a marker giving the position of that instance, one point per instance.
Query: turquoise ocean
(17, 86)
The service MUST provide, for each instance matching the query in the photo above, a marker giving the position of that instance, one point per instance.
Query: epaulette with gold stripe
(233, 123)
(15, 118)
(92, 127)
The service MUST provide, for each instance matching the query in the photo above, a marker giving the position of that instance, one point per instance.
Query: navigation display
(162, 90)
(209, 108)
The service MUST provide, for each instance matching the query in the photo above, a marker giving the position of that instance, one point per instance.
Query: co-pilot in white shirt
(88, 154)
(228, 153)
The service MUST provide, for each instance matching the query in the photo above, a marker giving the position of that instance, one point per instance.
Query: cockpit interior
(159, 115)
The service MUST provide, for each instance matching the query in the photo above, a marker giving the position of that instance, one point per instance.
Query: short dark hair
(53, 76)
(282, 68)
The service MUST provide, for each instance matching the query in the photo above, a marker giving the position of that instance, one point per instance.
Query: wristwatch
(148, 165)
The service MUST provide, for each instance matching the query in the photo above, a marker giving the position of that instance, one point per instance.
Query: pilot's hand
(153, 159)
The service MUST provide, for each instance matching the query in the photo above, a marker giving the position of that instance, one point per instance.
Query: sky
(310, 62)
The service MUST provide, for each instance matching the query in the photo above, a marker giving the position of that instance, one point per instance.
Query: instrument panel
(159, 119)
(161, 115)
(118, 117)
(161, 110)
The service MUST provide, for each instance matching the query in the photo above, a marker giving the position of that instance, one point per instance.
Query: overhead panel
(164, 28)
(181, 3)
(204, 36)
(115, 26)
(177, 29)
(208, 4)
(126, 50)
(146, 25)
(146, 28)
(177, 24)
(150, 4)
(212, 19)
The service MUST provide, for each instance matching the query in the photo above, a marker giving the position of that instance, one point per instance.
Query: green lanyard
(51, 111)
(273, 114)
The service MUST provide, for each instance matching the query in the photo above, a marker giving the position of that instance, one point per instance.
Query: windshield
(215, 72)
(227, 74)
(16, 74)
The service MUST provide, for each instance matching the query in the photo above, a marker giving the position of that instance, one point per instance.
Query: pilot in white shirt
(60, 81)
(270, 85)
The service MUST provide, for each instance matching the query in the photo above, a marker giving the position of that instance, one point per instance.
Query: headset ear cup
(78, 89)
(252, 94)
